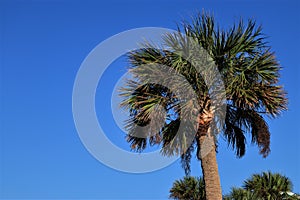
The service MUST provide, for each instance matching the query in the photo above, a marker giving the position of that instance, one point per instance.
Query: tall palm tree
(189, 187)
(250, 74)
(266, 186)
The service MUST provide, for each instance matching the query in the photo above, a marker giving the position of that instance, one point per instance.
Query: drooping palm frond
(155, 114)
(143, 103)
(238, 122)
(186, 159)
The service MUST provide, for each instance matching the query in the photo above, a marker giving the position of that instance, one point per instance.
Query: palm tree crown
(264, 186)
(268, 185)
(189, 187)
(248, 70)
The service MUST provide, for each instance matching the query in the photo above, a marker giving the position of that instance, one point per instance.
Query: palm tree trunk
(210, 167)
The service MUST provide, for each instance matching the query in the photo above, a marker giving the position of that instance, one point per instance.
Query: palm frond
(238, 122)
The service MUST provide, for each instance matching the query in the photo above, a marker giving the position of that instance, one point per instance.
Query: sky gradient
(42, 45)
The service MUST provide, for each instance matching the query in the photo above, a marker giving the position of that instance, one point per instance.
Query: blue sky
(42, 46)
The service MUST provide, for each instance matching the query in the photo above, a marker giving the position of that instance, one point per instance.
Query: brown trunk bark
(210, 167)
(207, 155)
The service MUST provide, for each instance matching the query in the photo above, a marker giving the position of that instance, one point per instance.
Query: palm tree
(266, 186)
(250, 74)
(188, 188)
(241, 194)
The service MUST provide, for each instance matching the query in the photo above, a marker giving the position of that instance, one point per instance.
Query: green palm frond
(238, 122)
(186, 158)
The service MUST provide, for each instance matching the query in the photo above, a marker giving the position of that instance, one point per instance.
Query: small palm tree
(268, 185)
(241, 194)
(188, 188)
(250, 73)
(265, 186)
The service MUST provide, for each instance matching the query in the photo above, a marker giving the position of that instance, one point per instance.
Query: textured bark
(210, 168)
(207, 155)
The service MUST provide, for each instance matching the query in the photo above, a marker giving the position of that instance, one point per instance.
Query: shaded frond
(186, 159)
(238, 122)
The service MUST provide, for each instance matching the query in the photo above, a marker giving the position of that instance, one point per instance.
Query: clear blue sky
(43, 44)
